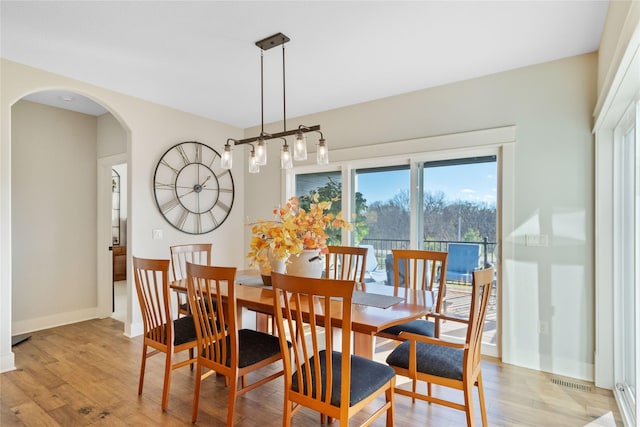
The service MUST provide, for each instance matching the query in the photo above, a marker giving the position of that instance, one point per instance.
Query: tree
(332, 191)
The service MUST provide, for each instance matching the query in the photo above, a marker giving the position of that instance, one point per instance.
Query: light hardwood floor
(86, 374)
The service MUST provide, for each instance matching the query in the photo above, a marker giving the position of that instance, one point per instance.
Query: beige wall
(112, 137)
(54, 213)
(151, 129)
(550, 105)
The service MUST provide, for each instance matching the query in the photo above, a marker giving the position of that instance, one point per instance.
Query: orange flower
(293, 230)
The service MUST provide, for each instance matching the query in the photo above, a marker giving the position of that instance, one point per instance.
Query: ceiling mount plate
(272, 41)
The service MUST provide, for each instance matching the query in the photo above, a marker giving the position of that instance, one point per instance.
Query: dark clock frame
(192, 191)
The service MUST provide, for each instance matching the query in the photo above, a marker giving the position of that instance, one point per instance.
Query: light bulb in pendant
(261, 152)
(322, 154)
(300, 147)
(285, 158)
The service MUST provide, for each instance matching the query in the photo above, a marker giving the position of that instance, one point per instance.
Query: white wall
(550, 105)
(151, 129)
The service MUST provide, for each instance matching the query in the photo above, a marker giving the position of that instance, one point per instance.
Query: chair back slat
(419, 269)
(198, 253)
(152, 287)
(346, 263)
(424, 270)
(482, 284)
(214, 322)
(317, 302)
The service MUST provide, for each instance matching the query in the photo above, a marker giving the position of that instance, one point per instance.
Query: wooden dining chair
(161, 332)
(424, 270)
(346, 263)
(224, 349)
(197, 253)
(445, 363)
(318, 375)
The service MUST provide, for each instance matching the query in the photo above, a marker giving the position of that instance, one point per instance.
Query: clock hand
(188, 192)
(205, 181)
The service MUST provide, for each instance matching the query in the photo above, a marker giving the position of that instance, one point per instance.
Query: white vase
(308, 263)
(279, 265)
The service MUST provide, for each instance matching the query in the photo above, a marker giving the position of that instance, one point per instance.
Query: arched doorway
(59, 139)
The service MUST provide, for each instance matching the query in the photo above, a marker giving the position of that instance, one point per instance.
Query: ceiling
(201, 57)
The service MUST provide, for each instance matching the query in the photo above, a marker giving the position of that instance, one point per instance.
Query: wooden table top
(365, 319)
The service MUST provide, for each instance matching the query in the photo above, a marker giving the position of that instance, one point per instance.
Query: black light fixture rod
(267, 137)
(284, 94)
(262, 90)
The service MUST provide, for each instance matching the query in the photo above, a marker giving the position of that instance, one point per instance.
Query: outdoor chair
(464, 258)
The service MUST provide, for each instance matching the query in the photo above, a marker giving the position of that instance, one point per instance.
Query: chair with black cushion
(222, 347)
(161, 332)
(346, 263)
(317, 374)
(424, 270)
(448, 364)
(197, 253)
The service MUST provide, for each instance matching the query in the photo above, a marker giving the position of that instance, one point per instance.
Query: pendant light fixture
(258, 155)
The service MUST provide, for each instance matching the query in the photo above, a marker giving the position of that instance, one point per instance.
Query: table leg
(262, 322)
(363, 344)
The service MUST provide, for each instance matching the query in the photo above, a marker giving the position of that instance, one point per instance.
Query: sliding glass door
(627, 265)
(448, 204)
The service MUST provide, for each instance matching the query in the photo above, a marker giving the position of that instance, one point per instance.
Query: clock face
(192, 191)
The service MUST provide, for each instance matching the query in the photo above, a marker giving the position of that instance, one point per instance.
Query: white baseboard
(133, 329)
(7, 362)
(46, 322)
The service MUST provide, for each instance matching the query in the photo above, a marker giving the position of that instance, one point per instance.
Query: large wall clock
(192, 191)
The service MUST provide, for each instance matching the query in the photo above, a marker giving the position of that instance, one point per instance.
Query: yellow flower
(293, 230)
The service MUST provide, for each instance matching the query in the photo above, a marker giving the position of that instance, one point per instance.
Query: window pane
(460, 218)
(328, 185)
(384, 194)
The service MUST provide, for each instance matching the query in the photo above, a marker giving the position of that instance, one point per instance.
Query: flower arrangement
(293, 230)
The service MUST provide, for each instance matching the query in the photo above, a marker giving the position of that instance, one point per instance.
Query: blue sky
(471, 182)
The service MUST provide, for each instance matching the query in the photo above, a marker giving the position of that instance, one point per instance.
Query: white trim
(618, 75)
(403, 152)
(52, 321)
(608, 113)
(104, 270)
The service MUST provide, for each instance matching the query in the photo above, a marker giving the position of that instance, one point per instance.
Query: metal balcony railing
(382, 247)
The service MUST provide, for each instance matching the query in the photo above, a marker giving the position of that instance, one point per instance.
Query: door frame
(104, 255)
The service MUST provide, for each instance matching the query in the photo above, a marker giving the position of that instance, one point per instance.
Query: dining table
(375, 306)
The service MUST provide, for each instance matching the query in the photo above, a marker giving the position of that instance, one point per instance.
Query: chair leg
(483, 409)
(414, 386)
(233, 390)
(167, 380)
(286, 417)
(143, 364)
(389, 397)
(468, 403)
(191, 357)
(196, 394)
